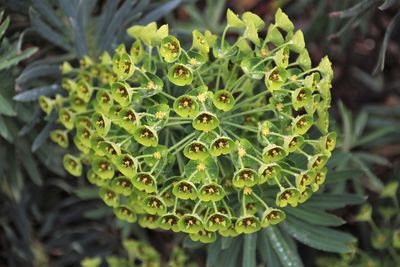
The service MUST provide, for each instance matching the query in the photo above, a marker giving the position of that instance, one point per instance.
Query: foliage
(141, 254)
(49, 220)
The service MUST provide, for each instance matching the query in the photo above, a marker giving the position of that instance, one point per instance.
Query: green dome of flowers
(214, 139)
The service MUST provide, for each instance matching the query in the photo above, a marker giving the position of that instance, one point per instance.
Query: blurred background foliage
(50, 219)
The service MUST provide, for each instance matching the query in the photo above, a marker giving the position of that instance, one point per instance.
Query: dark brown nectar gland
(122, 91)
(250, 206)
(125, 211)
(171, 220)
(304, 179)
(205, 118)
(246, 175)
(44, 103)
(286, 195)
(249, 222)
(145, 179)
(154, 203)
(100, 122)
(201, 40)
(127, 162)
(124, 183)
(181, 71)
(317, 162)
(329, 143)
(318, 178)
(224, 98)
(146, 133)
(86, 133)
(293, 142)
(110, 195)
(186, 188)
(218, 219)
(127, 66)
(105, 98)
(274, 76)
(84, 89)
(273, 152)
(211, 189)
(268, 171)
(130, 116)
(136, 51)
(82, 63)
(78, 101)
(173, 47)
(60, 138)
(86, 77)
(273, 215)
(111, 150)
(196, 148)
(301, 123)
(301, 95)
(66, 116)
(72, 163)
(223, 210)
(150, 218)
(190, 221)
(221, 144)
(104, 165)
(186, 103)
(116, 111)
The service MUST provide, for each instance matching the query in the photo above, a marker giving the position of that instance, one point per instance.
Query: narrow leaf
(380, 65)
(315, 216)
(330, 201)
(6, 107)
(35, 93)
(249, 250)
(288, 257)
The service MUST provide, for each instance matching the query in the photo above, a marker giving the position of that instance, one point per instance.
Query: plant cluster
(212, 139)
(140, 253)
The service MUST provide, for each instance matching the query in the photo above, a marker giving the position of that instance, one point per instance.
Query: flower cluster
(212, 139)
(144, 253)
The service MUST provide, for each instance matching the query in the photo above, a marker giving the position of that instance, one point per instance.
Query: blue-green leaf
(249, 250)
(287, 256)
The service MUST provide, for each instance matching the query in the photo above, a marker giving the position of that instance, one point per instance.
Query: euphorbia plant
(212, 139)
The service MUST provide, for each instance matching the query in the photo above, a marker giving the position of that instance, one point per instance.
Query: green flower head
(247, 224)
(170, 49)
(272, 217)
(187, 138)
(288, 196)
(73, 165)
(180, 75)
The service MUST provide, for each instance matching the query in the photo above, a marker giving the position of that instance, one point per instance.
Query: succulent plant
(212, 139)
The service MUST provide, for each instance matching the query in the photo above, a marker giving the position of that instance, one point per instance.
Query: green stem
(260, 200)
(289, 172)
(240, 126)
(177, 123)
(254, 158)
(287, 181)
(196, 206)
(251, 99)
(165, 189)
(167, 95)
(278, 183)
(248, 112)
(244, 204)
(175, 205)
